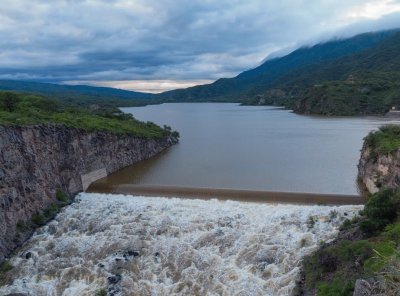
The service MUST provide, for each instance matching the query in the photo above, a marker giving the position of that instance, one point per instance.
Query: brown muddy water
(253, 148)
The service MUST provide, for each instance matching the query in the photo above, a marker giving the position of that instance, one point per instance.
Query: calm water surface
(251, 147)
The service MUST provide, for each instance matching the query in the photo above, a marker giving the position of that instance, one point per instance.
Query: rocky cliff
(36, 161)
(379, 170)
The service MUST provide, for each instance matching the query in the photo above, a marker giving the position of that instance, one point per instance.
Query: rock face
(377, 170)
(369, 287)
(36, 161)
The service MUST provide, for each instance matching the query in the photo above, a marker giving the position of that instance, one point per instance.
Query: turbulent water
(132, 245)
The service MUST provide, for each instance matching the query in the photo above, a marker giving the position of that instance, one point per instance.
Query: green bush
(101, 292)
(38, 219)
(310, 222)
(337, 259)
(347, 224)
(380, 210)
(9, 101)
(29, 103)
(338, 287)
(5, 266)
(353, 250)
(21, 226)
(62, 196)
(392, 233)
(50, 211)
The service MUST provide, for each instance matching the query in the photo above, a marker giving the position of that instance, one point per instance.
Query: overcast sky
(156, 45)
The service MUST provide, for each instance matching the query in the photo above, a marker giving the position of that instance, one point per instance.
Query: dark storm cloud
(99, 40)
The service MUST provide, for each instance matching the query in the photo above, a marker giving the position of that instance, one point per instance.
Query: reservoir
(224, 145)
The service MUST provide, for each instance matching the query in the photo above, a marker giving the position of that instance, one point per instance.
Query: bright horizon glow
(155, 45)
(148, 86)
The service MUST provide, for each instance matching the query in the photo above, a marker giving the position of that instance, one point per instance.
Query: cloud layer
(184, 42)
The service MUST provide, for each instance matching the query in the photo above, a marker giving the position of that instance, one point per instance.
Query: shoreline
(230, 194)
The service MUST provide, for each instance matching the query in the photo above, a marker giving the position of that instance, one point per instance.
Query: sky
(158, 45)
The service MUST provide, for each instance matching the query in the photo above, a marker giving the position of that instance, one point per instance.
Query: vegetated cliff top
(365, 258)
(385, 140)
(21, 109)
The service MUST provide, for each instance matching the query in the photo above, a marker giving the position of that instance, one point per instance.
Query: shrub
(38, 219)
(347, 224)
(353, 250)
(61, 196)
(338, 287)
(310, 222)
(40, 110)
(5, 266)
(8, 101)
(328, 261)
(21, 226)
(380, 210)
(175, 134)
(333, 214)
(50, 211)
(101, 292)
(392, 233)
(39, 103)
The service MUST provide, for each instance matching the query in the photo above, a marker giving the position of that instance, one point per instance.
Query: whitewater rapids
(133, 245)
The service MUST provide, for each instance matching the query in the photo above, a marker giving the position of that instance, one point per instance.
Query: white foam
(184, 247)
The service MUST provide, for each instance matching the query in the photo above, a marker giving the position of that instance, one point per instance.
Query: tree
(9, 101)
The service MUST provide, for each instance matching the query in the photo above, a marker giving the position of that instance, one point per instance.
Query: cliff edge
(39, 161)
(379, 165)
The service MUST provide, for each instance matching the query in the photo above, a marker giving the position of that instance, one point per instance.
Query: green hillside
(81, 95)
(310, 80)
(363, 83)
(19, 109)
(270, 74)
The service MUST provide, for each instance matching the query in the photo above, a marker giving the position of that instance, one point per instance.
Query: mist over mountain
(268, 75)
(311, 79)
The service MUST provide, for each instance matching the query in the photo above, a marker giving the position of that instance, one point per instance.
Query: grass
(334, 268)
(338, 287)
(19, 109)
(384, 141)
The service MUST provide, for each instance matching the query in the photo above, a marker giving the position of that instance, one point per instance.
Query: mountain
(79, 94)
(364, 83)
(270, 73)
(354, 76)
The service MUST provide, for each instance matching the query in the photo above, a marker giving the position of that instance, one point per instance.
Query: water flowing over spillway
(132, 245)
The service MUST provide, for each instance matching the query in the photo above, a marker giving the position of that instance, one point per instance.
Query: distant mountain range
(276, 71)
(357, 75)
(79, 94)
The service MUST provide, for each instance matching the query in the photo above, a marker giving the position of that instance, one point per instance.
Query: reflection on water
(256, 148)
